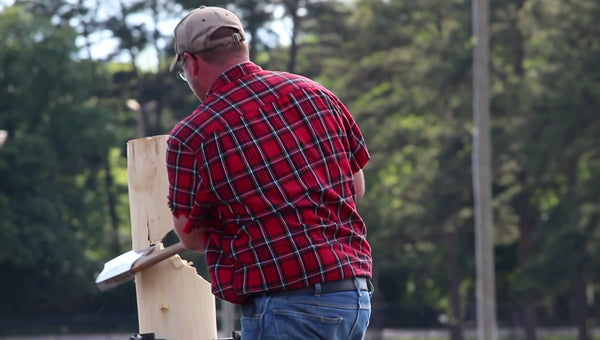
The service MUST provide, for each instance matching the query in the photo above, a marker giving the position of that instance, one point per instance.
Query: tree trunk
(293, 8)
(455, 320)
(112, 209)
(376, 323)
(580, 312)
(524, 254)
(529, 321)
(528, 315)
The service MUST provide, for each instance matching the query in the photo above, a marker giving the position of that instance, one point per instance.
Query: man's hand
(192, 240)
(359, 184)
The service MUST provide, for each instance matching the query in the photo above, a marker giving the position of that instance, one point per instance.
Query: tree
(545, 65)
(50, 168)
(403, 68)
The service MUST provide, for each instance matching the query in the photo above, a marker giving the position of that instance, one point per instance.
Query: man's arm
(359, 184)
(183, 178)
(192, 240)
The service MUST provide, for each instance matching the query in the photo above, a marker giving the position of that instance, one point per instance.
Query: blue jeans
(341, 315)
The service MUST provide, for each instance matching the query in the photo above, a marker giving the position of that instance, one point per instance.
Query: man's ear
(191, 60)
(188, 56)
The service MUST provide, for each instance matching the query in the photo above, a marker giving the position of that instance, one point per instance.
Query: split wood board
(173, 301)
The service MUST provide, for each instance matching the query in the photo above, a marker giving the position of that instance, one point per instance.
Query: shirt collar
(234, 73)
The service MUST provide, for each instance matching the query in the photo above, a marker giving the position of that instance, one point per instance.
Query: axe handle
(156, 256)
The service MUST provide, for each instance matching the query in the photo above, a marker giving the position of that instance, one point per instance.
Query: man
(264, 177)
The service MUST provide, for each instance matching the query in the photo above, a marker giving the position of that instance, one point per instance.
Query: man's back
(275, 154)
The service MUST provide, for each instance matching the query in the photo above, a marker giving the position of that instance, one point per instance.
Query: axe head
(118, 270)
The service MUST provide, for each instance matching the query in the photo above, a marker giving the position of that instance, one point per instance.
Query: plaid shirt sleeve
(359, 154)
(183, 177)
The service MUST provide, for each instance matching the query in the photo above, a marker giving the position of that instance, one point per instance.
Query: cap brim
(174, 63)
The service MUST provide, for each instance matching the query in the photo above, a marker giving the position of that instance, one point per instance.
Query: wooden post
(482, 176)
(173, 301)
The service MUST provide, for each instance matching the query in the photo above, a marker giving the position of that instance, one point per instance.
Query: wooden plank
(148, 188)
(173, 301)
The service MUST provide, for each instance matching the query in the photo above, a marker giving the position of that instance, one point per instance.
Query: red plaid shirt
(266, 164)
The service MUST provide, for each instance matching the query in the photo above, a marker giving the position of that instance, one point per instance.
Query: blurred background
(79, 78)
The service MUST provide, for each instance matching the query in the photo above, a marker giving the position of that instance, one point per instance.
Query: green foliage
(50, 166)
(403, 67)
(404, 70)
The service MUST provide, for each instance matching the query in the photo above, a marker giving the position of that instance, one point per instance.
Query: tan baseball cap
(193, 32)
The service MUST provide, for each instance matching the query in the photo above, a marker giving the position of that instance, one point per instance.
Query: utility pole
(482, 174)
